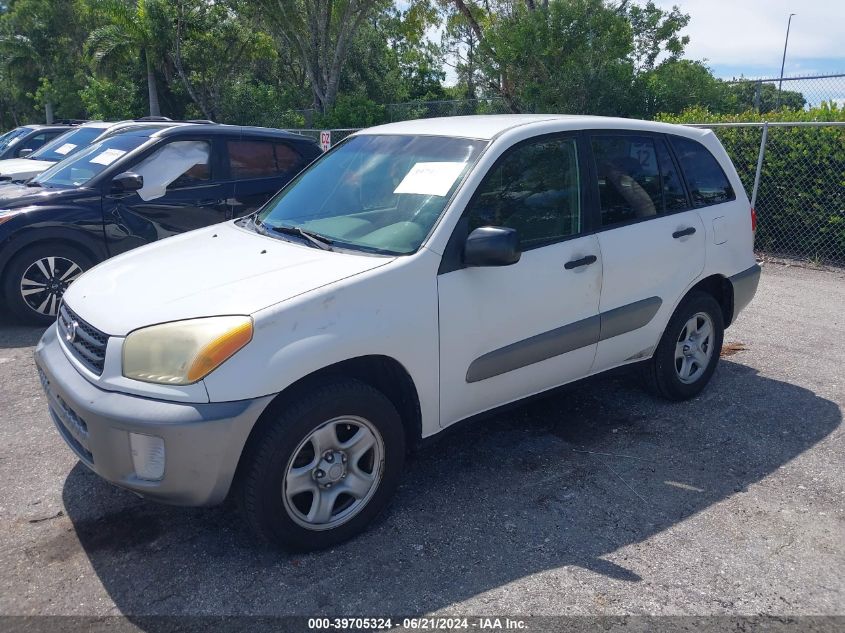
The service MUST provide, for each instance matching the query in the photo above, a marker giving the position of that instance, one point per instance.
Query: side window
(177, 165)
(674, 197)
(33, 142)
(628, 178)
(262, 159)
(535, 190)
(705, 178)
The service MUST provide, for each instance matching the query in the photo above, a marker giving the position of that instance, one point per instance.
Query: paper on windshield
(107, 157)
(64, 149)
(430, 179)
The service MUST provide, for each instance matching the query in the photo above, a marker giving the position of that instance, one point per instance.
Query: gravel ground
(598, 499)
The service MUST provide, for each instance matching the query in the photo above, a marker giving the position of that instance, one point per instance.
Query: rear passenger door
(652, 242)
(259, 168)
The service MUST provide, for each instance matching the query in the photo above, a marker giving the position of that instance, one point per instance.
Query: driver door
(512, 331)
(181, 192)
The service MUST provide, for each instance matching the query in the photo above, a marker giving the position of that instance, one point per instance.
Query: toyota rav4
(418, 274)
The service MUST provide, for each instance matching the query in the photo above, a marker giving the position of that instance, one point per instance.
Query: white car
(59, 148)
(75, 139)
(418, 274)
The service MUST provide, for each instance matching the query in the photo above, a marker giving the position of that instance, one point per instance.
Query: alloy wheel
(333, 473)
(694, 348)
(45, 281)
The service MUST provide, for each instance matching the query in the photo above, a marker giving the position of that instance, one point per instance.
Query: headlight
(183, 352)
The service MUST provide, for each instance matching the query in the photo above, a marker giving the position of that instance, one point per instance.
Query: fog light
(147, 456)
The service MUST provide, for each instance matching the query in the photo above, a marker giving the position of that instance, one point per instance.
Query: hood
(13, 195)
(218, 270)
(22, 168)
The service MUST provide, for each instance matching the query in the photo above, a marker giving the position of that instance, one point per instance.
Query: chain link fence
(430, 109)
(770, 93)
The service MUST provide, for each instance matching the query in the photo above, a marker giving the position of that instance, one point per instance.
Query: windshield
(68, 143)
(377, 193)
(78, 169)
(12, 137)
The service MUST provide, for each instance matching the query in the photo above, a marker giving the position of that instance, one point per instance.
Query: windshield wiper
(315, 238)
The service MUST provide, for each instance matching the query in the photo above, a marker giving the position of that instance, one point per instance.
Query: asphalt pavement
(599, 499)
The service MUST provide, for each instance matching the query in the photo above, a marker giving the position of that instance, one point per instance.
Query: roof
(488, 126)
(177, 129)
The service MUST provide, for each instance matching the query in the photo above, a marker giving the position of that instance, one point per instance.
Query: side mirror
(127, 182)
(24, 152)
(492, 246)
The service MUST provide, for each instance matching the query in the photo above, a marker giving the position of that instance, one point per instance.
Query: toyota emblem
(70, 336)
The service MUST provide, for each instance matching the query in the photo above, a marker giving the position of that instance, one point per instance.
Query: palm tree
(136, 29)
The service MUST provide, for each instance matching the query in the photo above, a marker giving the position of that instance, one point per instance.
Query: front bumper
(203, 442)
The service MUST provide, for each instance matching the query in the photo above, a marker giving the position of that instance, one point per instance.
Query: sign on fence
(325, 140)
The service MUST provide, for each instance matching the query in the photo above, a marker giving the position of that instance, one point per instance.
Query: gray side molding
(532, 350)
(564, 339)
(628, 318)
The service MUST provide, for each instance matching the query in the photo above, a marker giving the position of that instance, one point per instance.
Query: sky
(745, 37)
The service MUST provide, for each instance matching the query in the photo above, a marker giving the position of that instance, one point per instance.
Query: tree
(213, 47)
(134, 29)
(41, 45)
(320, 31)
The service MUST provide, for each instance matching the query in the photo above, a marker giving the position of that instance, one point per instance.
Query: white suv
(416, 275)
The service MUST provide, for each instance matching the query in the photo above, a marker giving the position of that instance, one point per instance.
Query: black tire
(26, 310)
(280, 436)
(663, 375)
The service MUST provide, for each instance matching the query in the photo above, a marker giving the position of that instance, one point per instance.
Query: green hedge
(801, 201)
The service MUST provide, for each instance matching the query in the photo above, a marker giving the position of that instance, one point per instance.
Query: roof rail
(69, 121)
(152, 118)
(199, 121)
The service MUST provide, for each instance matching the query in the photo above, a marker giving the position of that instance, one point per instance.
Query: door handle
(211, 202)
(684, 232)
(584, 261)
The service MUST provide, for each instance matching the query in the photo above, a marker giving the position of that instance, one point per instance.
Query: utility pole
(783, 61)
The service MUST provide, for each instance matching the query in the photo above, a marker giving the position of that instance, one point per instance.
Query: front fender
(389, 311)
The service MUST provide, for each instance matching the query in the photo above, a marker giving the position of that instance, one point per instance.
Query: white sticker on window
(430, 179)
(64, 149)
(107, 157)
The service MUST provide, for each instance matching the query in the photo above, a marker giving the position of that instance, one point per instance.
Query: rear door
(260, 167)
(182, 191)
(652, 242)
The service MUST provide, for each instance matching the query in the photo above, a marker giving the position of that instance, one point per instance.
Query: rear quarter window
(250, 158)
(706, 180)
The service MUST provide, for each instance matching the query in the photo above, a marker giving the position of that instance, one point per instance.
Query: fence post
(759, 164)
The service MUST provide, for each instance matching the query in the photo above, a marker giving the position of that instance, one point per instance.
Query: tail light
(753, 220)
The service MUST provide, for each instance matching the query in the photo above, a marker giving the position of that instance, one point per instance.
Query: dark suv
(132, 189)
(24, 140)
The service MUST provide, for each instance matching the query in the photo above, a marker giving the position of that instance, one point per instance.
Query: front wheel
(688, 352)
(318, 472)
(36, 279)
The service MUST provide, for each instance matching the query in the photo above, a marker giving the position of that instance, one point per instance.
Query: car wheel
(37, 278)
(320, 470)
(688, 352)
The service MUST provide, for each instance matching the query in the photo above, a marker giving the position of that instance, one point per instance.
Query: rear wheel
(320, 471)
(688, 351)
(37, 278)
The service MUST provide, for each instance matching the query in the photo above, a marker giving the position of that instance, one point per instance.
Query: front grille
(85, 341)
